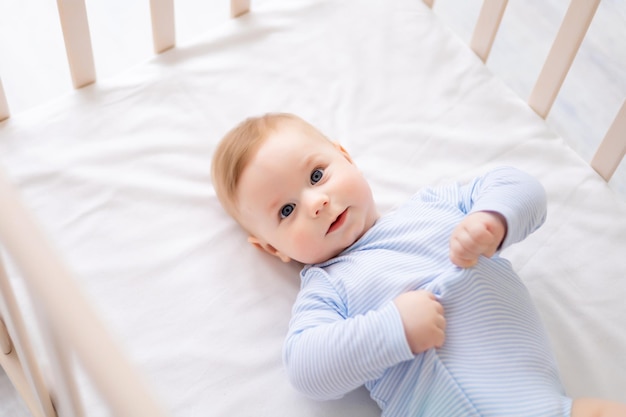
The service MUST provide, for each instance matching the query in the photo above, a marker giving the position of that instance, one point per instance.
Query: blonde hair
(238, 146)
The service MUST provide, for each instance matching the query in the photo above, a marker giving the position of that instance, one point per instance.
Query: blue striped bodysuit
(346, 332)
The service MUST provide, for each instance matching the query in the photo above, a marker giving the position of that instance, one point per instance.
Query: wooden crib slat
(13, 368)
(66, 396)
(239, 7)
(487, 26)
(612, 148)
(49, 281)
(19, 363)
(566, 44)
(4, 106)
(73, 15)
(6, 346)
(163, 25)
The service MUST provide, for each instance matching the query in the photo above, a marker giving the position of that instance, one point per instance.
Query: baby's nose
(320, 206)
(317, 203)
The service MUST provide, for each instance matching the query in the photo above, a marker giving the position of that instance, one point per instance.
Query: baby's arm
(328, 354)
(502, 207)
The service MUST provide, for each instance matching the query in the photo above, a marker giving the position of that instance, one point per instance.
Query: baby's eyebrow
(309, 159)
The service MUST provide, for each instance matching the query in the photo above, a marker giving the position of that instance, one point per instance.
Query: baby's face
(302, 198)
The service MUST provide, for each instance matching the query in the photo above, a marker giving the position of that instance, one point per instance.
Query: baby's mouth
(338, 221)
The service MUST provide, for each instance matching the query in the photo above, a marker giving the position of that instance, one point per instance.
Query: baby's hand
(422, 318)
(479, 233)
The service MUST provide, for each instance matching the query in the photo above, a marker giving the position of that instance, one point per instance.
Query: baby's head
(296, 193)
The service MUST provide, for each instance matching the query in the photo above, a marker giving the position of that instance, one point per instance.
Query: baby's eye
(316, 175)
(286, 210)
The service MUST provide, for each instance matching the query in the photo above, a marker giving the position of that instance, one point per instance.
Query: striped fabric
(496, 361)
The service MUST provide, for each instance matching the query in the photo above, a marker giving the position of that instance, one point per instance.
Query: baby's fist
(422, 318)
(480, 233)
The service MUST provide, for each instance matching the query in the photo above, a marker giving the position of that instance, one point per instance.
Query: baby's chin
(319, 258)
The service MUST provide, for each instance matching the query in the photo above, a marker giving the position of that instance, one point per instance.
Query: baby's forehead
(282, 160)
(290, 145)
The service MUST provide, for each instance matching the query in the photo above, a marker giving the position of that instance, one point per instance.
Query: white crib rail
(555, 68)
(612, 148)
(163, 26)
(562, 54)
(579, 15)
(18, 359)
(239, 7)
(73, 15)
(75, 26)
(72, 327)
(487, 26)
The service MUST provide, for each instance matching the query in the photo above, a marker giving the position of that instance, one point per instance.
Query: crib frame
(72, 331)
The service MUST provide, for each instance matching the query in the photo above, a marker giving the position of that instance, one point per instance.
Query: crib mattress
(118, 175)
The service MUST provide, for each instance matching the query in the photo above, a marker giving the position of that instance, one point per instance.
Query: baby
(416, 304)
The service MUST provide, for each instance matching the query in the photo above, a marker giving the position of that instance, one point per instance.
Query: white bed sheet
(118, 174)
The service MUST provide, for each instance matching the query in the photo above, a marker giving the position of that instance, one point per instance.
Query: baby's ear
(343, 151)
(266, 247)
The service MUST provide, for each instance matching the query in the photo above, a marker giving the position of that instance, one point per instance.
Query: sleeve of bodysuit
(328, 354)
(518, 196)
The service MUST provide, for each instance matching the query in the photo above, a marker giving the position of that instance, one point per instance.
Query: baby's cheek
(306, 247)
